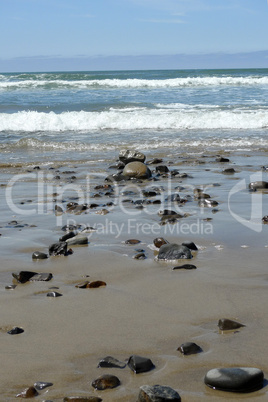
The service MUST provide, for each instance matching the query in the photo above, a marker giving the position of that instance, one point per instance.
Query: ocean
(88, 113)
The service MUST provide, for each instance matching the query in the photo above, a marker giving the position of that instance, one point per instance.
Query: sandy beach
(146, 308)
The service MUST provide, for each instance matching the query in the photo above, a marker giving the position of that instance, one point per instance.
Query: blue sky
(42, 35)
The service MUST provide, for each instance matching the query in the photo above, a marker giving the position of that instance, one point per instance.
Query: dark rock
(137, 170)
(190, 245)
(77, 240)
(53, 294)
(96, 284)
(110, 361)
(207, 203)
(23, 276)
(70, 228)
(58, 210)
(265, 219)
(158, 393)
(59, 248)
(40, 385)
(10, 287)
(15, 331)
(228, 171)
(258, 185)
(127, 156)
(189, 348)
(38, 255)
(150, 193)
(162, 169)
(168, 212)
(106, 381)
(118, 165)
(132, 241)
(28, 393)
(222, 159)
(174, 198)
(185, 266)
(235, 379)
(139, 256)
(114, 178)
(82, 399)
(67, 236)
(82, 285)
(225, 324)
(174, 252)
(159, 241)
(155, 161)
(140, 364)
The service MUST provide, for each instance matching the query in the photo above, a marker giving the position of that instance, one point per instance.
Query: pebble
(38, 255)
(137, 170)
(28, 393)
(228, 171)
(207, 203)
(174, 252)
(96, 284)
(67, 236)
(185, 266)
(158, 393)
(139, 256)
(225, 324)
(159, 241)
(59, 248)
(265, 219)
(189, 348)
(132, 241)
(40, 385)
(53, 294)
(106, 381)
(140, 364)
(16, 331)
(110, 361)
(42, 277)
(235, 379)
(10, 287)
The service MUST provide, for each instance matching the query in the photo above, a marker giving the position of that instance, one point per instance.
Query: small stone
(155, 161)
(16, 331)
(222, 159)
(96, 284)
(38, 255)
(23, 276)
(265, 219)
(40, 385)
(158, 393)
(159, 241)
(174, 252)
(162, 169)
(28, 393)
(106, 381)
(225, 324)
(258, 185)
(185, 266)
(59, 248)
(132, 241)
(228, 171)
(42, 277)
(140, 364)
(235, 379)
(53, 294)
(207, 203)
(82, 285)
(110, 361)
(139, 256)
(189, 348)
(10, 287)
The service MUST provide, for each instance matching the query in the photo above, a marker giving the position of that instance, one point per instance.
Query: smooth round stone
(235, 379)
(162, 169)
(106, 381)
(225, 324)
(159, 241)
(228, 171)
(137, 170)
(39, 385)
(82, 399)
(28, 393)
(38, 255)
(139, 256)
(222, 159)
(158, 393)
(132, 241)
(140, 364)
(174, 252)
(10, 287)
(16, 331)
(110, 361)
(189, 348)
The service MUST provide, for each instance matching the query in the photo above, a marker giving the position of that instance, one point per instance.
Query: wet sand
(146, 308)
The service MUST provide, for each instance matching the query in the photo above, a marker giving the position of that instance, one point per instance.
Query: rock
(258, 185)
(28, 393)
(225, 324)
(189, 348)
(127, 156)
(139, 256)
(235, 379)
(82, 399)
(58, 210)
(190, 245)
(114, 178)
(53, 294)
(132, 241)
(110, 361)
(106, 381)
(155, 161)
(40, 385)
(10, 287)
(207, 203)
(174, 252)
(162, 169)
(67, 236)
(265, 219)
(140, 364)
(137, 170)
(77, 240)
(23, 276)
(228, 171)
(158, 393)
(185, 266)
(16, 331)
(59, 248)
(159, 241)
(42, 277)
(38, 255)
(174, 198)
(222, 159)
(96, 284)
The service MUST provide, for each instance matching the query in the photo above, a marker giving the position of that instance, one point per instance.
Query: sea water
(82, 115)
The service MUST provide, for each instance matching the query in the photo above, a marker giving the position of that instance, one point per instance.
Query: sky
(64, 35)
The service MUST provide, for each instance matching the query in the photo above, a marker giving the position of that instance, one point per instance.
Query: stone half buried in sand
(140, 364)
(106, 381)
(158, 393)
(25, 276)
(110, 361)
(225, 324)
(235, 379)
(128, 155)
(137, 170)
(171, 252)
